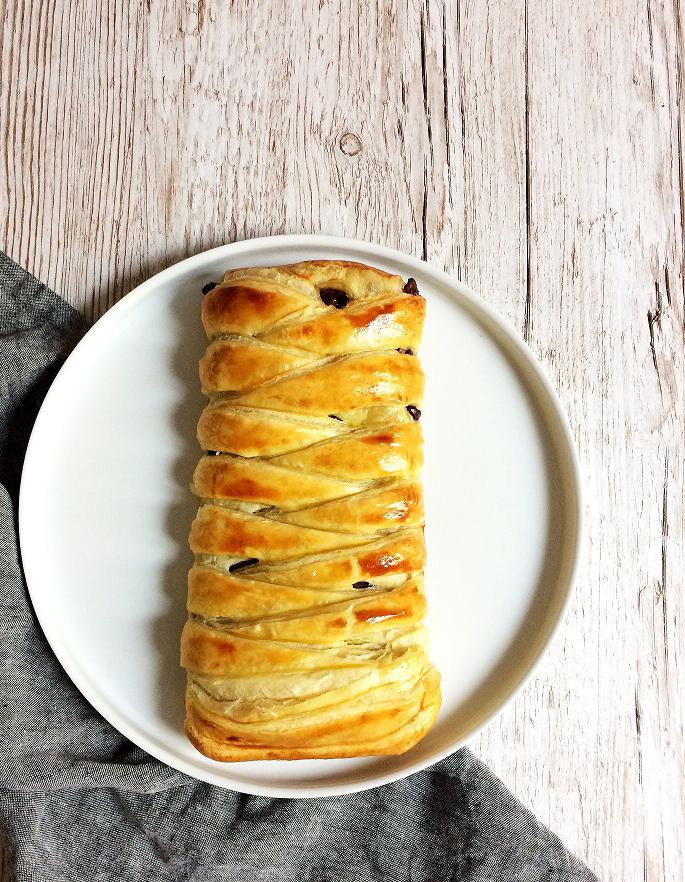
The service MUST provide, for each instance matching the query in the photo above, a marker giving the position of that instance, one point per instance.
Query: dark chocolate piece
(238, 565)
(334, 297)
(208, 287)
(414, 412)
(361, 584)
(411, 287)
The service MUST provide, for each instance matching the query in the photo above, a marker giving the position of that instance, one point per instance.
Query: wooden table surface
(534, 149)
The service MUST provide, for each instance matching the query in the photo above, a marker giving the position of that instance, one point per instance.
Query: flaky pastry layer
(305, 634)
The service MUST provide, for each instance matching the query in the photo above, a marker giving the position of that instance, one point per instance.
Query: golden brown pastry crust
(306, 600)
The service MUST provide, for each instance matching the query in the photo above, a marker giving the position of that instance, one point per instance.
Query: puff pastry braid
(306, 601)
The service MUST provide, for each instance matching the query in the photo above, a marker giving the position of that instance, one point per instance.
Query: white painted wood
(533, 148)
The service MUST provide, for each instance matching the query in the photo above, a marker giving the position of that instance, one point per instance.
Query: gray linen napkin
(80, 802)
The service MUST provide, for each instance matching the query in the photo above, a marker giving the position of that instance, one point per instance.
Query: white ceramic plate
(105, 511)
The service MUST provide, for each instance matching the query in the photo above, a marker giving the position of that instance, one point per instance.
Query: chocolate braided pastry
(305, 635)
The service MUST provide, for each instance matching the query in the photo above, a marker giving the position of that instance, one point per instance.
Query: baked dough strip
(306, 601)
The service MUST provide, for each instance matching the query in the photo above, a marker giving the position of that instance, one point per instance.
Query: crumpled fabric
(78, 801)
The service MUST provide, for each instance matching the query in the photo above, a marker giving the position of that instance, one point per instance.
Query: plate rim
(254, 246)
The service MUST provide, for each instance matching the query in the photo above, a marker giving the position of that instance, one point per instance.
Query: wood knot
(350, 144)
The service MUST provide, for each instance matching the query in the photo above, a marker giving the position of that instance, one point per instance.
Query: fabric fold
(78, 801)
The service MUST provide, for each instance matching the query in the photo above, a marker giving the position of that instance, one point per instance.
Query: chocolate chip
(411, 287)
(406, 351)
(334, 417)
(208, 287)
(414, 412)
(334, 297)
(360, 585)
(243, 563)
(213, 452)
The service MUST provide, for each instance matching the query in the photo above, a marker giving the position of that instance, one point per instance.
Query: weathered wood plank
(533, 148)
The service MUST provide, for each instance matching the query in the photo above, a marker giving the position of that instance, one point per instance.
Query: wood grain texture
(536, 150)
